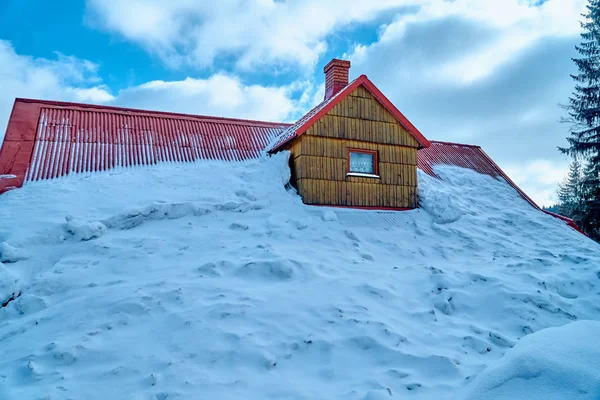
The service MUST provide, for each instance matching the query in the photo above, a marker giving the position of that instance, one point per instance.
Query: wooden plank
(318, 192)
(361, 195)
(301, 187)
(314, 167)
(398, 190)
(375, 196)
(329, 187)
(361, 129)
(350, 194)
(306, 192)
(387, 194)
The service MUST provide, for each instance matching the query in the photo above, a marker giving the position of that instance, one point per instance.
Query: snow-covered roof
(474, 158)
(48, 139)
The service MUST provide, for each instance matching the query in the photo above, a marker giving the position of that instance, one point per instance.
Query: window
(362, 163)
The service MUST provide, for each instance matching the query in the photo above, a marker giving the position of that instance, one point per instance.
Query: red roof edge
(455, 144)
(53, 103)
(363, 80)
(372, 208)
(569, 221)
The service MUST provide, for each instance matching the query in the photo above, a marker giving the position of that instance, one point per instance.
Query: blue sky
(484, 72)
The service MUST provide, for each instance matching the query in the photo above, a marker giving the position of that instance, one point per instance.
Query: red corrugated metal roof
(324, 107)
(47, 139)
(472, 157)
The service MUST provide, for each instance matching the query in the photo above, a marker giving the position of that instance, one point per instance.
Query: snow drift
(552, 364)
(212, 280)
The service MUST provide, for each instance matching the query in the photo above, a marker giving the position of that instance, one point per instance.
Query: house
(354, 149)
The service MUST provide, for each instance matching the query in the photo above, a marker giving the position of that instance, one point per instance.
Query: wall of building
(319, 157)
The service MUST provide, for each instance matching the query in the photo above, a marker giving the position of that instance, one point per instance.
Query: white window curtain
(363, 163)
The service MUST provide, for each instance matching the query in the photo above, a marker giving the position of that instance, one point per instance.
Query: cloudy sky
(486, 72)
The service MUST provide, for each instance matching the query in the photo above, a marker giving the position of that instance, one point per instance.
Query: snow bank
(10, 254)
(211, 280)
(84, 230)
(552, 364)
(9, 285)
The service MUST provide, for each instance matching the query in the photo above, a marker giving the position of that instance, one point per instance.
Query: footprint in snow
(500, 340)
(394, 373)
(413, 386)
(382, 394)
(208, 269)
(239, 227)
(245, 195)
(479, 345)
(350, 235)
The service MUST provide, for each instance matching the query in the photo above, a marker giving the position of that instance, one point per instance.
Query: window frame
(375, 155)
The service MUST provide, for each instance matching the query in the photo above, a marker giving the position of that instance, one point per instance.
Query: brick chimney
(336, 76)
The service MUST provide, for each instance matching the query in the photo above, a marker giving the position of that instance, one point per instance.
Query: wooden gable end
(361, 117)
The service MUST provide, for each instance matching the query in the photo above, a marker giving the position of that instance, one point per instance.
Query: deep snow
(210, 280)
(552, 364)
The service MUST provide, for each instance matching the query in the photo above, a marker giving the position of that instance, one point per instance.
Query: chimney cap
(336, 62)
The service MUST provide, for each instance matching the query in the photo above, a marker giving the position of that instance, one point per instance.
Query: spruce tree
(584, 117)
(591, 199)
(570, 194)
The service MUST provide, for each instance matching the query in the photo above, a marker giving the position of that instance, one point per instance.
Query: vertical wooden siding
(359, 121)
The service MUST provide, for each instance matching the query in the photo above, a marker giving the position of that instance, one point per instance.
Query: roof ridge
(107, 108)
(454, 143)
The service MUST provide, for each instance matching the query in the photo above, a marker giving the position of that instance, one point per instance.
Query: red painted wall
(17, 148)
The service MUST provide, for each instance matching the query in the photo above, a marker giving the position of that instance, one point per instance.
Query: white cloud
(519, 26)
(508, 28)
(219, 95)
(255, 32)
(296, 33)
(66, 78)
(539, 178)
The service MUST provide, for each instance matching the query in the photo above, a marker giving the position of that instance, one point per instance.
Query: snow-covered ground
(211, 281)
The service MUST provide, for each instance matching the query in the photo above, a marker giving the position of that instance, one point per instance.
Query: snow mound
(9, 285)
(10, 254)
(329, 216)
(212, 280)
(84, 230)
(552, 364)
